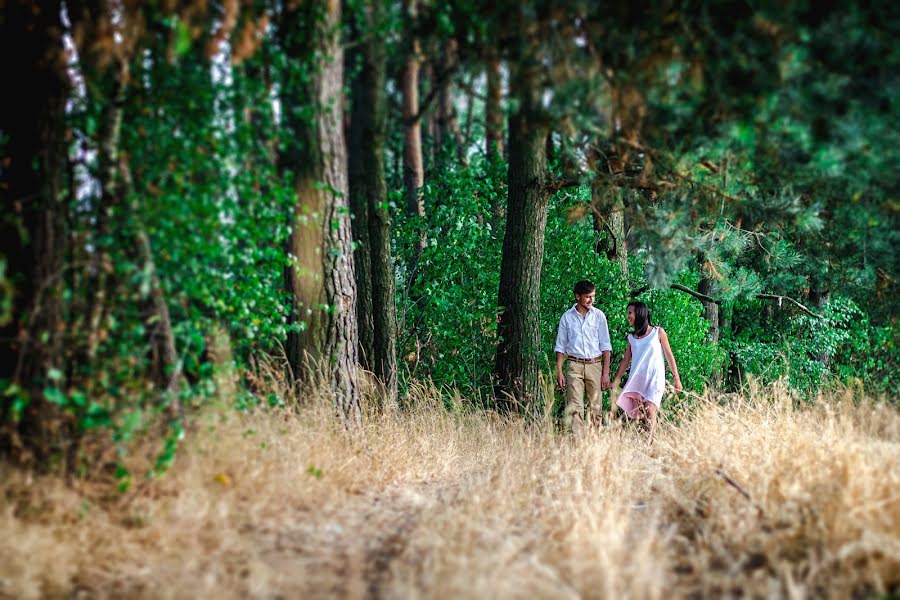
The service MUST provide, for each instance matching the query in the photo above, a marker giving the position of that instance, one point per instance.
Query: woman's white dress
(647, 378)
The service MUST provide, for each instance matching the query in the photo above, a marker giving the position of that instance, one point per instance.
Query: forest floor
(750, 495)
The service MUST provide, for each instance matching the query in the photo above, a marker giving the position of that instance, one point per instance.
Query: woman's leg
(650, 409)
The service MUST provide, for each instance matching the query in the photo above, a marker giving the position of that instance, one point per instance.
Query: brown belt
(586, 361)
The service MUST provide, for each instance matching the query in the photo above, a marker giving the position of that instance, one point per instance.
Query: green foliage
(870, 356)
(841, 346)
(454, 319)
(753, 149)
(199, 147)
(448, 316)
(219, 216)
(681, 316)
(6, 294)
(569, 256)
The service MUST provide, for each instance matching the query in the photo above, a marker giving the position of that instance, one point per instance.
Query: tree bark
(119, 202)
(166, 366)
(818, 297)
(372, 226)
(609, 223)
(448, 130)
(321, 278)
(413, 169)
(90, 21)
(413, 166)
(706, 286)
(493, 109)
(518, 350)
(33, 228)
(360, 171)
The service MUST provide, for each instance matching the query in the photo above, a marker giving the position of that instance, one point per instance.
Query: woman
(646, 383)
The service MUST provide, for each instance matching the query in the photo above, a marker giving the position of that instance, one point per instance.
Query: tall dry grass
(750, 497)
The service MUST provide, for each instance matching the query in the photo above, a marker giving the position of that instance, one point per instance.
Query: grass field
(750, 496)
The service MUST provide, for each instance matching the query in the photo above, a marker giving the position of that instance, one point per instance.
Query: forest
(280, 283)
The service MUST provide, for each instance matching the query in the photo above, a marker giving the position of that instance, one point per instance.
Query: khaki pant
(580, 379)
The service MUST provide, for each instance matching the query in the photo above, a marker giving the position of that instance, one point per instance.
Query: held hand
(561, 380)
(604, 381)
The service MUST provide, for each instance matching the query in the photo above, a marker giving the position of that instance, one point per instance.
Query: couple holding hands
(583, 340)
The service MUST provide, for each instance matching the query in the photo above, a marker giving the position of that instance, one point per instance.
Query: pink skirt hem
(631, 403)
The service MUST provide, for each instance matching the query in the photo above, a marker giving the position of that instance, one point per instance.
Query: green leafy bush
(842, 345)
(447, 309)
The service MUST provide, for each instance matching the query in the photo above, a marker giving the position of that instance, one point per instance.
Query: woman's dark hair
(641, 318)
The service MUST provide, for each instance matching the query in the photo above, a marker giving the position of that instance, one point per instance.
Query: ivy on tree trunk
(320, 278)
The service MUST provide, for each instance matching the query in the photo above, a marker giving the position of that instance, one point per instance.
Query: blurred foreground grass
(752, 496)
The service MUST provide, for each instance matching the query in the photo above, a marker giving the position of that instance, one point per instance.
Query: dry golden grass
(752, 498)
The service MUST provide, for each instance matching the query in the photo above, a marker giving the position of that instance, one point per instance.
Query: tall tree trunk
(33, 227)
(157, 322)
(427, 87)
(368, 196)
(447, 130)
(120, 197)
(166, 366)
(360, 171)
(518, 350)
(706, 286)
(818, 297)
(321, 278)
(383, 296)
(609, 223)
(627, 119)
(493, 108)
(470, 116)
(119, 212)
(89, 21)
(413, 169)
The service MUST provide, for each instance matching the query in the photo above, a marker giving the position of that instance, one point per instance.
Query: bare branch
(436, 85)
(740, 490)
(702, 297)
(561, 183)
(469, 88)
(780, 299)
(705, 299)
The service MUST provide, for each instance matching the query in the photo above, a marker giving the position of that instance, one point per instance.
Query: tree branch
(702, 297)
(705, 298)
(561, 183)
(740, 490)
(436, 86)
(469, 88)
(782, 298)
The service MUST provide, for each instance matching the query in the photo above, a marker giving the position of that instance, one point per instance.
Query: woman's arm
(626, 360)
(670, 358)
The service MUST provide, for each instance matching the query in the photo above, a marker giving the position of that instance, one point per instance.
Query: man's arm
(560, 376)
(604, 378)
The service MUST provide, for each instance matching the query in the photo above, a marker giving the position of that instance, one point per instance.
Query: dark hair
(584, 287)
(641, 318)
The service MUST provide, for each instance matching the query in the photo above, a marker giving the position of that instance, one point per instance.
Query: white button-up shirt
(586, 337)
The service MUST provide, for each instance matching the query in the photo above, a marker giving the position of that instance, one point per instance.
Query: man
(583, 339)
